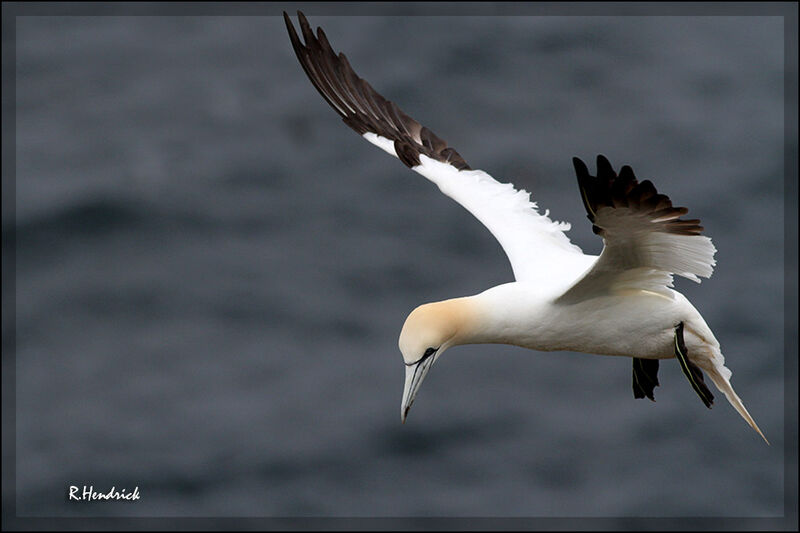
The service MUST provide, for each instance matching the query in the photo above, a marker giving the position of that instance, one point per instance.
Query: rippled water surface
(212, 270)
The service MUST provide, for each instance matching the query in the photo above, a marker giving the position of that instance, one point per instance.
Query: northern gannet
(618, 303)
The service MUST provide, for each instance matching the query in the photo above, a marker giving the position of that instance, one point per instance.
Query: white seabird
(618, 303)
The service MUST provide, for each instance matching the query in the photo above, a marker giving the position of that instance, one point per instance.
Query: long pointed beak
(415, 373)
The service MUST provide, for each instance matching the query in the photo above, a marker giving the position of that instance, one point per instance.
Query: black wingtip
(295, 39)
(288, 20)
(626, 173)
(604, 168)
(361, 107)
(580, 167)
(584, 183)
(305, 29)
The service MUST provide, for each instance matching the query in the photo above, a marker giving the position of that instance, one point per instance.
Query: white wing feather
(535, 245)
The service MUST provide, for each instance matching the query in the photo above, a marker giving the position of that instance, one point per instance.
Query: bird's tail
(721, 375)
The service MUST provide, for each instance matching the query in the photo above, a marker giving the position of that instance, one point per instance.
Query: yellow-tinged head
(428, 331)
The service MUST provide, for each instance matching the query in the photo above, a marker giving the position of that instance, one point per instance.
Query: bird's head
(429, 330)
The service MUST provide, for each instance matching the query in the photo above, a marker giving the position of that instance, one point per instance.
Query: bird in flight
(618, 303)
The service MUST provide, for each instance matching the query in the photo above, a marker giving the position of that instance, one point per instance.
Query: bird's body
(619, 303)
(522, 315)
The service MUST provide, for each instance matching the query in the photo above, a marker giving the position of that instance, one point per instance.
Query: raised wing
(646, 241)
(535, 245)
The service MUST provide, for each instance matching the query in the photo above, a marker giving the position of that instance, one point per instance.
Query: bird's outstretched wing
(646, 241)
(535, 245)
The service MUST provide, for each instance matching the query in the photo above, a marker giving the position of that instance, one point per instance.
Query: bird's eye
(429, 352)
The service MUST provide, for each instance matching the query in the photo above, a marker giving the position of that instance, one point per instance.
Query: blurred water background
(212, 270)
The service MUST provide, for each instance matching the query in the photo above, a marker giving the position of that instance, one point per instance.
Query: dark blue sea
(212, 270)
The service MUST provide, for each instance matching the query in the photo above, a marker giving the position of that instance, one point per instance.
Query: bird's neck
(471, 320)
(507, 314)
(455, 320)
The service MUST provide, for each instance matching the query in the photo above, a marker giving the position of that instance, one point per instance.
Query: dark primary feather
(609, 190)
(359, 105)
